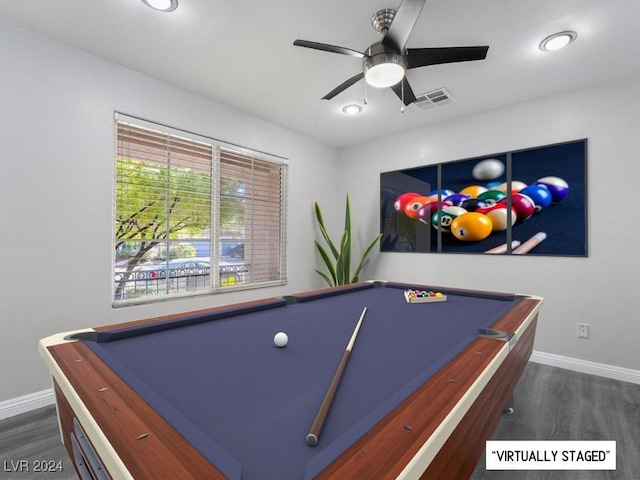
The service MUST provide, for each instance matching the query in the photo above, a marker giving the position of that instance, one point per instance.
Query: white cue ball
(280, 340)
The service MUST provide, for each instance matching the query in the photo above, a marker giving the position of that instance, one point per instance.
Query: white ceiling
(240, 53)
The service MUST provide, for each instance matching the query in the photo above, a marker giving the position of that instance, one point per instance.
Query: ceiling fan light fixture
(162, 5)
(558, 40)
(383, 67)
(384, 75)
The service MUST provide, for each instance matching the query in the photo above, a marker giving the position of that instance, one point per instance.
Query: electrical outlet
(583, 330)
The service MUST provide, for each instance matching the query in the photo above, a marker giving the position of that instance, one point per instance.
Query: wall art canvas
(531, 201)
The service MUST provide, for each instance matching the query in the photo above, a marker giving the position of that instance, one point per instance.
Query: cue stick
(503, 248)
(531, 243)
(314, 432)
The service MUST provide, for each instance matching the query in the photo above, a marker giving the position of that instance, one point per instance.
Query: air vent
(435, 98)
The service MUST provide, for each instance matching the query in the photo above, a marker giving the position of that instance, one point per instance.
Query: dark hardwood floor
(556, 404)
(551, 404)
(31, 442)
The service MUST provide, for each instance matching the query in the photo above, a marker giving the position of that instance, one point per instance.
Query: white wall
(56, 180)
(57, 153)
(601, 290)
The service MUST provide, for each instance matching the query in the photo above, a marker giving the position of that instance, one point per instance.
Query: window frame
(251, 161)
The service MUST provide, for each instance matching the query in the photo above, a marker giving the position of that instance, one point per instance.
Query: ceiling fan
(384, 63)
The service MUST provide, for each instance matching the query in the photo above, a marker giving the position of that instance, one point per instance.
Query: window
(193, 215)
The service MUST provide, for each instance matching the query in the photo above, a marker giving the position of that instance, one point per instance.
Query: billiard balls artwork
(476, 211)
(556, 185)
(516, 186)
(428, 209)
(492, 196)
(280, 339)
(473, 190)
(471, 227)
(443, 193)
(444, 221)
(522, 204)
(473, 204)
(489, 169)
(414, 205)
(402, 201)
(540, 195)
(499, 216)
(457, 199)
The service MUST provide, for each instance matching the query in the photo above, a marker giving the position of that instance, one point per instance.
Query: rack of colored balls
(476, 211)
(423, 296)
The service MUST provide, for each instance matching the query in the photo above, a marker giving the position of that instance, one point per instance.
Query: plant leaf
(363, 259)
(341, 272)
(346, 247)
(323, 230)
(326, 279)
(327, 261)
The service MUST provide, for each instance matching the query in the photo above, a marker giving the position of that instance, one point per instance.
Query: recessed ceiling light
(558, 40)
(162, 5)
(352, 109)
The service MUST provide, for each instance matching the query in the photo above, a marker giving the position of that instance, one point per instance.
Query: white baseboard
(33, 401)
(27, 403)
(584, 366)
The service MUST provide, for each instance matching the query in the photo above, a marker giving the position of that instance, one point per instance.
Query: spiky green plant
(338, 262)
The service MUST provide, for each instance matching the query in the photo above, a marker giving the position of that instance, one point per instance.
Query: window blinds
(180, 200)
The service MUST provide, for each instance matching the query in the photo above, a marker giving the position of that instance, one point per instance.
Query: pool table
(207, 394)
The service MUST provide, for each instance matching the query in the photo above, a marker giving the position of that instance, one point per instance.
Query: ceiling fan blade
(328, 48)
(409, 96)
(402, 24)
(421, 57)
(343, 86)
